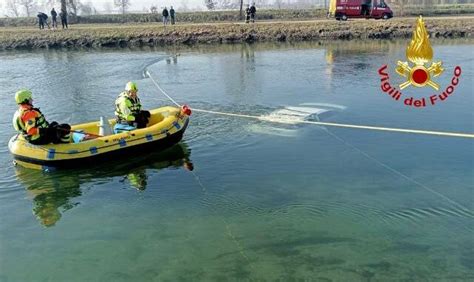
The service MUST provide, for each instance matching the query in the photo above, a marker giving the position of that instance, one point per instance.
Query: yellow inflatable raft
(165, 128)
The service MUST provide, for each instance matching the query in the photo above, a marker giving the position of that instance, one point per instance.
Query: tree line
(28, 8)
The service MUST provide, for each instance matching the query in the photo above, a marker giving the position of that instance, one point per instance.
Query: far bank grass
(233, 15)
(121, 35)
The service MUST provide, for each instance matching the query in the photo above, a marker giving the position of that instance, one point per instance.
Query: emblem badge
(419, 52)
(419, 73)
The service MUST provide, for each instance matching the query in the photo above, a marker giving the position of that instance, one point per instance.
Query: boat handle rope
(162, 91)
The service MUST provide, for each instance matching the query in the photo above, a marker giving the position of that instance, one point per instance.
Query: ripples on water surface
(265, 201)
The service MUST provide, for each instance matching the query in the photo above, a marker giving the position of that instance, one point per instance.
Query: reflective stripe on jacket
(127, 108)
(28, 120)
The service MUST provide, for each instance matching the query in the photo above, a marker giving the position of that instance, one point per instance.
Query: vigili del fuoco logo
(419, 53)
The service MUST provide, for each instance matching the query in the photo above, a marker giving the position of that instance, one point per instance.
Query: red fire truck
(344, 9)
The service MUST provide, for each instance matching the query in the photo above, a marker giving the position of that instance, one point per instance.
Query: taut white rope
(162, 91)
(401, 130)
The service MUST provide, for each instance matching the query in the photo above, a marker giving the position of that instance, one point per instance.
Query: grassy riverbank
(110, 35)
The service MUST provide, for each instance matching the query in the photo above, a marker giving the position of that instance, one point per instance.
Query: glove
(64, 127)
(62, 130)
(42, 131)
(146, 114)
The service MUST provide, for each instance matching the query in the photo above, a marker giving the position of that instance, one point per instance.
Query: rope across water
(354, 126)
(333, 124)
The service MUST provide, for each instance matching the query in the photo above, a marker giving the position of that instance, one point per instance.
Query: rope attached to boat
(162, 91)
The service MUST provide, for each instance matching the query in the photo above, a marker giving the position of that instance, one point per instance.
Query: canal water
(242, 198)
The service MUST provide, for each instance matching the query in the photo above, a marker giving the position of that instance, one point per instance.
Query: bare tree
(210, 4)
(28, 5)
(278, 3)
(12, 7)
(52, 3)
(241, 6)
(87, 9)
(63, 7)
(74, 5)
(228, 4)
(153, 10)
(122, 4)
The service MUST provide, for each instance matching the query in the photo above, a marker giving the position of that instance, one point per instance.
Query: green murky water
(265, 201)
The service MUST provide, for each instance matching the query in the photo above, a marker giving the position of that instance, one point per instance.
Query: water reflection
(329, 70)
(66, 81)
(248, 52)
(364, 46)
(55, 193)
(173, 58)
(250, 80)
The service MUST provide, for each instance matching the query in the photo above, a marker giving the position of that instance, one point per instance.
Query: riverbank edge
(97, 36)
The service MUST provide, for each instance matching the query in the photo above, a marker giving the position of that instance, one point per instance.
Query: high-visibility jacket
(127, 108)
(28, 120)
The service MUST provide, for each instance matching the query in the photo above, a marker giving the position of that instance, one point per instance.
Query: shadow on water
(53, 193)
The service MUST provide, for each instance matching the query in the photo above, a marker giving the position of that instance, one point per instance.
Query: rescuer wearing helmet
(128, 108)
(30, 122)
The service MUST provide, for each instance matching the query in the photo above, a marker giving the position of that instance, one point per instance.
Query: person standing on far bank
(172, 13)
(63, 19)
(54, 22)
(252, 11)
(165, 15)
(247, 14)
(40, 21)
